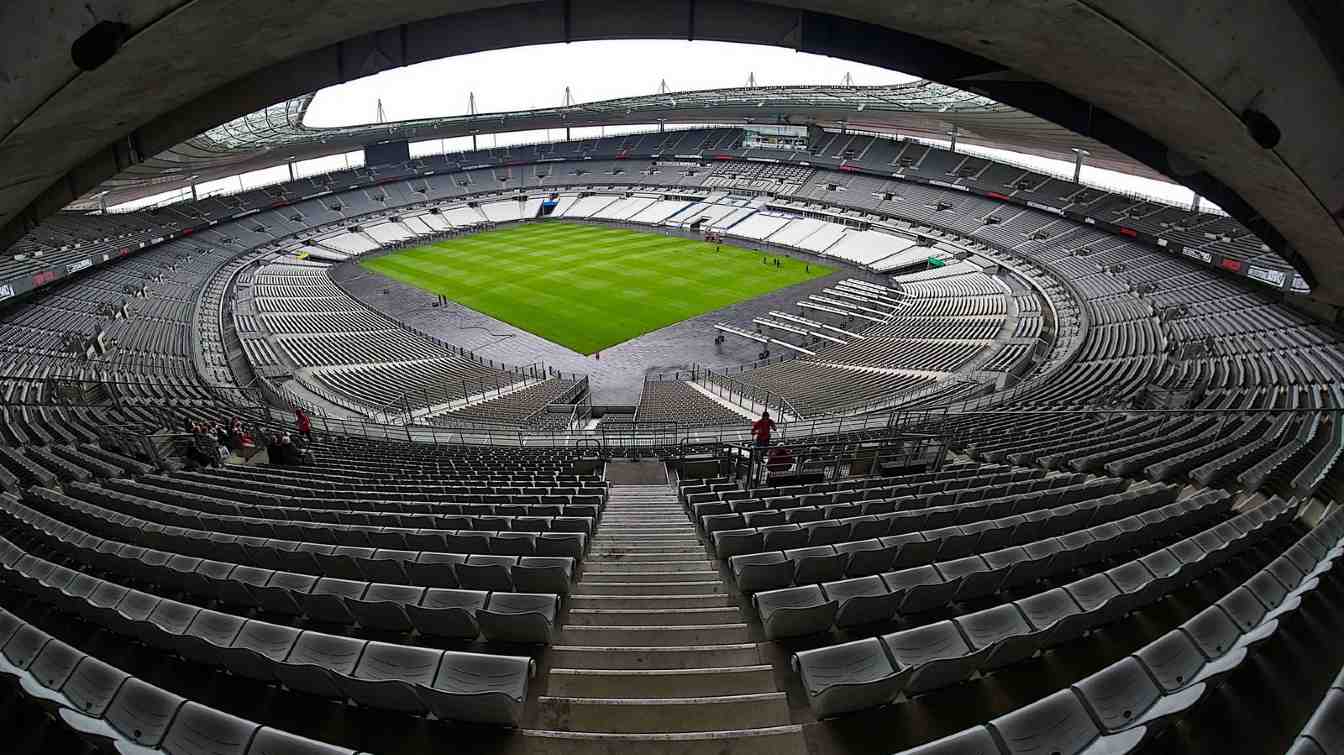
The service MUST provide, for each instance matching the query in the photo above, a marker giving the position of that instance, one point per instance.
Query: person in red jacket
(760, 429)
(304, 424)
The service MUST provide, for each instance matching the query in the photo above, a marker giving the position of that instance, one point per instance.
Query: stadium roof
(1239, 101)
(276, 135)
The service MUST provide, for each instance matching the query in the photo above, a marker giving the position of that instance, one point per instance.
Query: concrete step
(693, 553)
(633, 574)
(648, 528)
(654, 636)
(636, 536)
(777, 740)
(654, 617)
(633, 586)
(668, 562)
(700, 682)
(641, 601)
(688, 547)
(628, 657)
(679, 714)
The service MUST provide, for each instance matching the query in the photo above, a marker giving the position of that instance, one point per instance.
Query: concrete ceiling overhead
(1171, 85)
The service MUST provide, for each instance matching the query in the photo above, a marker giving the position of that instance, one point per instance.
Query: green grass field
(588, 287)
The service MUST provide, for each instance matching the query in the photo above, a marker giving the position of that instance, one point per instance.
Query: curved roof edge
(277, 134)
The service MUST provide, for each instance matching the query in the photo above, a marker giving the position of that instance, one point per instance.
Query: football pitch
(589, 287)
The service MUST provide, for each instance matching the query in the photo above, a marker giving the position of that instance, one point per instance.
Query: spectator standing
(304, 424)
(760, 429)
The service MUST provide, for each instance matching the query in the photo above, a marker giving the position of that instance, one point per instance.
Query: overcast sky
(532, 77)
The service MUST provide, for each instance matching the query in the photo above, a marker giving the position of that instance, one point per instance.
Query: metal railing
(745, 395)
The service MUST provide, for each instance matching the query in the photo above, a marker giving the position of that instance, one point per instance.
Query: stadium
(799, 418)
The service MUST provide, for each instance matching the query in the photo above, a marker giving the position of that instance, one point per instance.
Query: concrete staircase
(655, 656)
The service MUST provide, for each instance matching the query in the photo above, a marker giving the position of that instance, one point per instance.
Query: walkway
(655, 655)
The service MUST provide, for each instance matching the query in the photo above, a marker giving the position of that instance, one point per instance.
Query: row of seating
(117, 505)
(874, 671)
(849, 526)
(858, 558)
(451, 685)
(760, 512)
(109, 707)
(445, 486)
(812, 609)
(1323, 733)
(217, 556)
(507, 615)
(936, 493)
(1118, 708)
(361, 514)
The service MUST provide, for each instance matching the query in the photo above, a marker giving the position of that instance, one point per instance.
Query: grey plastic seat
(1134, 582)
(974, 741)
(1096, 596)
(92, 685)
(383, 606)
(923, 584)
(795, 611)
(481, 688)
(434, 569)
(257, 649)
(762, 571)
(937, 654)
(172, 618)
(268, 741)
(283, 592)
(209, 636)
(862, 600)
(1123, 696)
(1175, 662)
(1248, 614)
(1039, 563)
(478, 574)
(316, 660)
(1326, 726)
(1060, 724)
(816, 564)
(518, 617)
(728, 543)
(50, 670)
(21, 649)
(1272, 594)
(1167, 570)
(140, 713)
(972, 576)
(1054, 615)
(570, 544)
(1213, 632)
(386, 674)
(544, 574)
(445, 612)
(865, 557)
(1003, 631)
(326, 600)
(920, 552)
(782, 537)
(237, 590)
(198, 730)
(849, 676)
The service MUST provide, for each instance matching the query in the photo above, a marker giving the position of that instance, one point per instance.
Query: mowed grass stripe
(588, 287)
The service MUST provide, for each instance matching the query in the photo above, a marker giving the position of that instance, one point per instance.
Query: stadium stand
(1135, 466)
